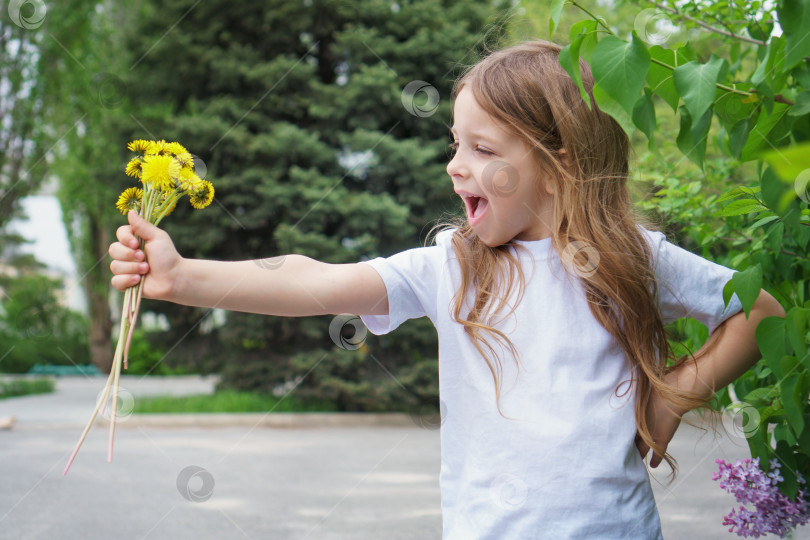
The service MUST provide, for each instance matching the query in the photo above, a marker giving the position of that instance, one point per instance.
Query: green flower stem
(164, 209)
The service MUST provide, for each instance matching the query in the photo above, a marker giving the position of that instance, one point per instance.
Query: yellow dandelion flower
(130, 199)
(157, 147)
(202, 196)
(186, 160)
(139, 145)
(175, 148)
(189, 181)
(134, 168)
(160, 171)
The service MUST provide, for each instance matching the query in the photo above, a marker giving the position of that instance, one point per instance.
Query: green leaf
(588, 29)
(743, 206)
(697, 83)
(794, 18)
(738, 136)
(659, 78)
(728, 292)
(773, 190)
(736, 192)
(759, 396)
(769, 75)
(747, 285)
(789, 486)
(804, 440)
(569, 60)
(556, 13)
(789, 162)
(758, 443)
(731, 108)
(801, 105)
(798, 232)
(796, 329)
(761, 29)
(620, 68)
(775, 236)
(693, 147)
(769, 131)
(644, 114)
(610, 106)
(764, 221)
(782, 432)
(770, 335)
(789, 365)
(792, 400)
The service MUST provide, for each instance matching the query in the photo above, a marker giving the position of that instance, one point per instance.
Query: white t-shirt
(563, 464)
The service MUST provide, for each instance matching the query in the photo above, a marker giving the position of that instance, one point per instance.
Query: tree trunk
(96, 286)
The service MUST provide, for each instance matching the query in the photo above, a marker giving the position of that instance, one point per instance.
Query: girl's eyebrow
(478, 134)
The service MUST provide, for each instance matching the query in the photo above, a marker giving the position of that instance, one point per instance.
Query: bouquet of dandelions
(166, 171)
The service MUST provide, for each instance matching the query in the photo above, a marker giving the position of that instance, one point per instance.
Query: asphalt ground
(325, 477)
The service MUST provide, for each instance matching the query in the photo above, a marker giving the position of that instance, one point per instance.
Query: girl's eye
(481, 150)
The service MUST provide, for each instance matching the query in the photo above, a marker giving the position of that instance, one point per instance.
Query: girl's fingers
(656, 460)
(120, 252)
(123, 281)
(122, 267)
(126, 237)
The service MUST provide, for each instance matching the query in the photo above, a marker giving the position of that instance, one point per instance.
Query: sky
(49, 242)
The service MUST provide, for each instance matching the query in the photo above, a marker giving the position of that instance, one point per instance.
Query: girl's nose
(455, 168)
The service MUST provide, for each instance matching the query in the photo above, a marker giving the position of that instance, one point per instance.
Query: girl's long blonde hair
(527, 91)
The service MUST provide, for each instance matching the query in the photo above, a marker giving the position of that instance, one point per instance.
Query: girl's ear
(564, 161)
(563, 153)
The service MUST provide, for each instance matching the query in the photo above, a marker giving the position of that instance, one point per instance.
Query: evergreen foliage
(297, 111)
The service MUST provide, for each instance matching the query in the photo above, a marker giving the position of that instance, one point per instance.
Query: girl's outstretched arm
(728, 353)
(289, 285)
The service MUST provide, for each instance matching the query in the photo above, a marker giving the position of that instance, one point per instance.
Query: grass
(23, 387)
(226, 401)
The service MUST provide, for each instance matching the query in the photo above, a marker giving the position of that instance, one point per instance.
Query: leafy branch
(706, 26)
(779, 98)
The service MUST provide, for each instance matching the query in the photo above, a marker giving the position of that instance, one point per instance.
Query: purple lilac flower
(773, 512)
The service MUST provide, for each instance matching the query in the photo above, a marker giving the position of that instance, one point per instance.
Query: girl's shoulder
(653, 237)
(443, 238)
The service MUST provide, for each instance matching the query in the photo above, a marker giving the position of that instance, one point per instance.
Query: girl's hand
(129, 261)
(663, 422)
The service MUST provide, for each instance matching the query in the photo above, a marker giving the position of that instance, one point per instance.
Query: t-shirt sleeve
(412, 280)
(689, 285)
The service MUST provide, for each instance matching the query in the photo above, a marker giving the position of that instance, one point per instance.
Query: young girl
(551, 406)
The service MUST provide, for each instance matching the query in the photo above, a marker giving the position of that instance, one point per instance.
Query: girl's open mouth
(476, 208)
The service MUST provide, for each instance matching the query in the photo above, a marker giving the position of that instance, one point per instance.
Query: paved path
(358, 483)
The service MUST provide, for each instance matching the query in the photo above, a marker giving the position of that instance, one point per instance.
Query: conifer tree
(303, 115)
